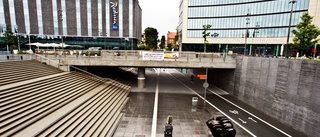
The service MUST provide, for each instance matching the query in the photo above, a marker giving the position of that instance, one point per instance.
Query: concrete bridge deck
(136, 58)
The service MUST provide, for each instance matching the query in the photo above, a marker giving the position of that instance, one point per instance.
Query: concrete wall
(288, 90)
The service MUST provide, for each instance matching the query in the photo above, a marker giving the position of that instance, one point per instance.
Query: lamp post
(61, 19)
(17, 29)
(292, 2)
(29, 41)
(246, 35)
(127, 42)
(205, 85)
(61, 29)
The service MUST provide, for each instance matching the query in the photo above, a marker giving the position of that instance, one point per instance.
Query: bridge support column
(141, 77)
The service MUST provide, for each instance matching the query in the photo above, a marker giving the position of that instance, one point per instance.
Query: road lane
(257, 126)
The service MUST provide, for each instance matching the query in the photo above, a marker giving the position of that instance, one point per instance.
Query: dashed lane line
(241, 109)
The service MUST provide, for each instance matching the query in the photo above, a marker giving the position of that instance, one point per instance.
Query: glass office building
(262, 25)
(104, 23)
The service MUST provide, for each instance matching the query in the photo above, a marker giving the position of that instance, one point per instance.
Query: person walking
(304, 56)
(192, 79)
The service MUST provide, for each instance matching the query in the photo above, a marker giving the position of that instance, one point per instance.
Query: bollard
(194, 101)
(7, 57)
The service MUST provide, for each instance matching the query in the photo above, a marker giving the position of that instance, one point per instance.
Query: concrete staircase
(70, 104)
(16, 71)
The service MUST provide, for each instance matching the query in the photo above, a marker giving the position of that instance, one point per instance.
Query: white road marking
(215, 107)
(251, 114)
(252, 119)
(234, 112)
(245, 111)
(244, 122)
(155, 109)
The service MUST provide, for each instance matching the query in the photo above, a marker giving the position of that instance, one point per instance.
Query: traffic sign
(202, 76)
(205, 84)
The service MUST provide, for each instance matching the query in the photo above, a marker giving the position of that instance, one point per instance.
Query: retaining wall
(288, 90)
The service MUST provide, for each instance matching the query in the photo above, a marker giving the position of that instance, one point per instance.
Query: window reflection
(256, 33)
(228, 17)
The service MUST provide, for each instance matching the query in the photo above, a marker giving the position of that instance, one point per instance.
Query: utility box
(194, 101)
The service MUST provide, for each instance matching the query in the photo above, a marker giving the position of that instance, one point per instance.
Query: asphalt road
(251, 120)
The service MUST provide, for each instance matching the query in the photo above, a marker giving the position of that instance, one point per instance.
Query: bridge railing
(139, 55)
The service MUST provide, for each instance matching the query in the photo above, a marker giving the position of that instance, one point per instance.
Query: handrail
(42, 57)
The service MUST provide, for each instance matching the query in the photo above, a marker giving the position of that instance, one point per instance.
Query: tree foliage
(205, 34)
(151, 37)
(9, 37)
(306, 33)
(162, 42)
(169, 46)
(176, 37)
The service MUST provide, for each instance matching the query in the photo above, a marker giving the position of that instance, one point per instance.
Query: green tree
(169, 46)
(306, 33)
(9, 38)
(176, 37)
(151, 37)
(162, 42)
(205, 34)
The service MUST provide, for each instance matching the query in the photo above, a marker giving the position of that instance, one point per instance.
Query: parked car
(92, 51)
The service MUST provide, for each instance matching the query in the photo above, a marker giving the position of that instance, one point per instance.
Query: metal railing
(138, 55)
(48, 61)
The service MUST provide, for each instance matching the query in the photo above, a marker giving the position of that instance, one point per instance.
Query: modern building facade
(259, 27)
(105, 23)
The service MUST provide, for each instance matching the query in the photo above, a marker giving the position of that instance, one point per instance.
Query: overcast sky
(160, 14)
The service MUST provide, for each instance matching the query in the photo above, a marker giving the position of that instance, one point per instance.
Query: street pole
(205, 85)
(18, 42)
(61, 28)
(246, 35)
(18, 38)
(315, 50)
(292, 1)
(29, 41)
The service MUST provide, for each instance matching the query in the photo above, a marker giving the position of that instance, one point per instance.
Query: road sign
(205, 85)
(201, 76)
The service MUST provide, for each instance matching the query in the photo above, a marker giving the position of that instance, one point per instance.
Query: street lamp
(246, 35)
(256, 30)
(61, 19)
(17, 29)
(29, 41)
(292, 2)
